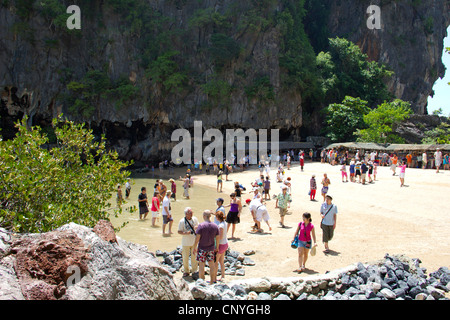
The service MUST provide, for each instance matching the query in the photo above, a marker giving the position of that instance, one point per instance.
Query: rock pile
(394, 278)
(234, 261)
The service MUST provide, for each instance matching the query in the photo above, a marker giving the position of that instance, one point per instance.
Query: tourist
(119, 197)
(282, 203)
(409, 159)
(370, 172)
(375, 169)
(424, 160)
(167, 214)
(187, 229)
(358, 171)
(223, 244)
(267, 188)
(206, 246)
(127, 189)
(155, 207)
(446, 162)
(325, 182)
(402, 173)
(143, 204)
(259, 212)
(328, 213)
(227, 170)
(352, 171)
(219, 181)
(394, 160)
(219, 208)
(344, 172)
(364, 170)
(305, 232)
(302, 161)
(233, 216)
(173, 189)
(438, 159)
(237, 190)
(186, 186)
(312, 188)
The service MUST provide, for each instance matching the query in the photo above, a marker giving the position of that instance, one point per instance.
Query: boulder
(75, 263)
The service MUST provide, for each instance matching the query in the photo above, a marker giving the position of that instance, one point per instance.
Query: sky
(441, 88)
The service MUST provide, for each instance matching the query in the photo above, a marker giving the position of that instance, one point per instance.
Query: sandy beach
(373, 219)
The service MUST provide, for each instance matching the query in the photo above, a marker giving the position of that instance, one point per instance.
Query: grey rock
(282, 297)
(264, 296)
(388, 294)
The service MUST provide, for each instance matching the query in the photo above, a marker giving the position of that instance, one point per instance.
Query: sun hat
(313, 251)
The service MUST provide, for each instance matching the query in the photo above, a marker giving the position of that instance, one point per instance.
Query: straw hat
(313, 251)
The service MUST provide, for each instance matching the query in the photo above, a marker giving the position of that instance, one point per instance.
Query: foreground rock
(394, 278)
(74, 263)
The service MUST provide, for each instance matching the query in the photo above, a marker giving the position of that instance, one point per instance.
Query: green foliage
(166, 74)
(218, 91)
(204, 18)
(223, 50)
(380, 122)
(41, 189)
(96, 85)
(345, 70)
(261, 89)
(428, 25)
(438, 135)
(53, 11)
(297, 56)
(343, 119)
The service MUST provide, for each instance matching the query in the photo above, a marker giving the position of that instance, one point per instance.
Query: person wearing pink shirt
(305, 232)
(402, 173)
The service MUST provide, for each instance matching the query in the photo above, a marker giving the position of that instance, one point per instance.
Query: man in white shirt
(259, 213)
(438, 159)
(166, 213)
(187, 227)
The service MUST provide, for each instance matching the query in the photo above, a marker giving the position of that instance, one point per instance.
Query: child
(402, 174)
(313, 188)
(344, 172)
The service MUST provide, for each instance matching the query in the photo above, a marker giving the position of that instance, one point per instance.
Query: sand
(373, 220)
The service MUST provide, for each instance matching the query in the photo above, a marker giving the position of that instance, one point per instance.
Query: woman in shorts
(233, 216)
(305, 232)
(155, 207)
(223, 244)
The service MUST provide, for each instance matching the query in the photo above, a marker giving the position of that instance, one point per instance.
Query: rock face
(40, 60)
(410, 41)
(74, 263)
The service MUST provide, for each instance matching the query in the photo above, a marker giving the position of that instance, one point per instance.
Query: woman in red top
(304, 231)
(155, 207)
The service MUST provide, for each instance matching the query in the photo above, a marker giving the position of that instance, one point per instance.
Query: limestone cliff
(138, 69)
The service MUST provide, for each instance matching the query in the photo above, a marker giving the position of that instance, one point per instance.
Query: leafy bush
(380, 122)
(343, 119)
(42, 189)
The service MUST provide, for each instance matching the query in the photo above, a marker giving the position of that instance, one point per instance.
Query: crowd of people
(205, 242)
